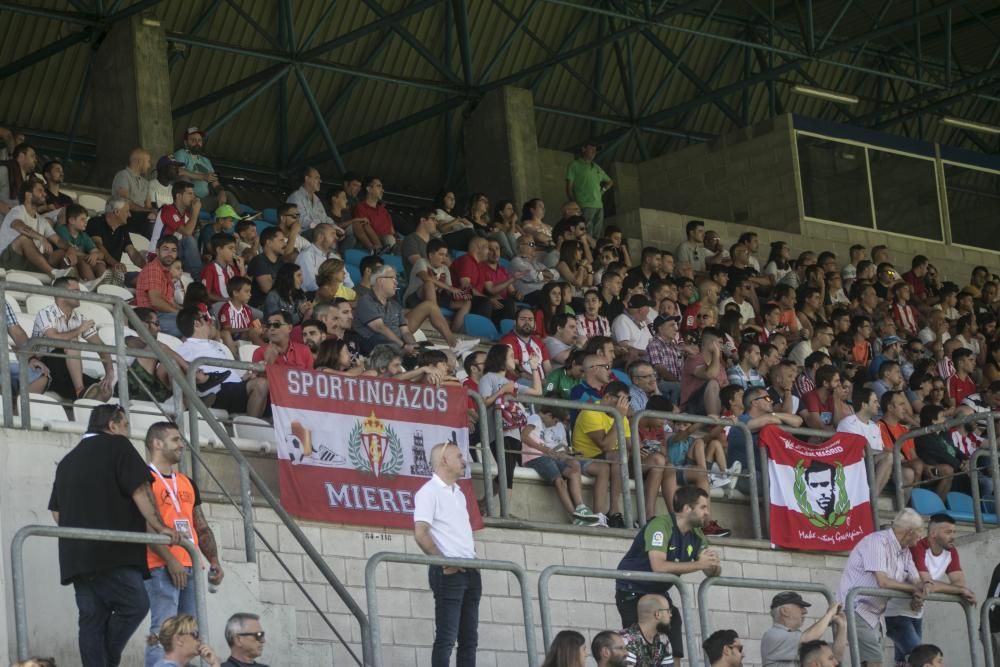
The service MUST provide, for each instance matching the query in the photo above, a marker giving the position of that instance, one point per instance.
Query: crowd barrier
(760, 584)
(17, 572)
(985, 636)
(371, 592)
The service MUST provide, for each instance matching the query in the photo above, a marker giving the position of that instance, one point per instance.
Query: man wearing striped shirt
(883, 560)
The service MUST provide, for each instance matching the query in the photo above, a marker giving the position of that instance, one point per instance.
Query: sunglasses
(275, 325)
(259, 636)
(193, 634)
(605, 366)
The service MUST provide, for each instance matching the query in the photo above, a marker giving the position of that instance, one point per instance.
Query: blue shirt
(198, 164)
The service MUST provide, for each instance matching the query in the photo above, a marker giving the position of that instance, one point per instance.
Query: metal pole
(484, 450)
(119, 314)
(872, 491)
(501, 451)
(22, 381)
(545, 611)
(897, 475)
(640, 482)
(371, 593)
(623, 467)
(6, 386)
(977, 509)
(246, 500)
(986, 637)
(17, 571)
(764, 584)
(991, 436)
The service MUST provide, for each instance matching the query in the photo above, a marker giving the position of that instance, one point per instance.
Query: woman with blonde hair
(181, 643)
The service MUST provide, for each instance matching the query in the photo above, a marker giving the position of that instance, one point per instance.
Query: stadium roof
(390, 80)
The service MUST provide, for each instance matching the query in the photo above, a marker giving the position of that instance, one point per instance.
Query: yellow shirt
(346, 293)
(589, 421)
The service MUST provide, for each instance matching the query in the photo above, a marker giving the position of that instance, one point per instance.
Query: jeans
(168, 324)
(595, 221)
(190, 256)
(905, 634)
(112, 604)
(456, 615)
(165, 600)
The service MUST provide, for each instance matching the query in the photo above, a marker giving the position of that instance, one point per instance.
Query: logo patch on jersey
(657, 539)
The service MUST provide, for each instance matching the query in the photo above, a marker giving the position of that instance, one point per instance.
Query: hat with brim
(226, 211)
(193, 130)
(788, 597)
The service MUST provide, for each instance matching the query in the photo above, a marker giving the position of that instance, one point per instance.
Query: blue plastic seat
(245, 210)
(355, 255)
(960, 505)
(354, 272)
(455, 254)
(621, 376)
(261, 225)
(447, 313)
(927, 502)
(396, 262)
(505, 263)
(506, 326)
(480, 327)
(269, 215)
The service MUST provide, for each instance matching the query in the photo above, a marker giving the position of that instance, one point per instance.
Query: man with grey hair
(779, 647)
(883, 560)
(111, 236)
(441, 527)
(245, 637)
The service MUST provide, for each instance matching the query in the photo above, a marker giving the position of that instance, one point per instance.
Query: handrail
(977, 500)
(985, 636)
(577, 406)
(697, 419)
(71, 533)
(545, 611)
(852, 627)
(765, 584)
(897, 454)
(371, 592)
(195, 403)
(826, 435)
(484, 450)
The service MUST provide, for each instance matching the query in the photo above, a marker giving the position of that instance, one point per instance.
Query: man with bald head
(132, 185)
(647, 639)
(441, 527)
(817, 653)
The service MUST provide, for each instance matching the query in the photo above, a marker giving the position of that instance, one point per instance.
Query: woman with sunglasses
(182, 643)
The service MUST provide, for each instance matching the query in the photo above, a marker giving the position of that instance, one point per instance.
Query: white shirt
(159, 194)
(38, 223)
(747, 313)
(310, 208)
(192, 348)
(309, 260)
(869, 431)
(444, 508)
(625, 330)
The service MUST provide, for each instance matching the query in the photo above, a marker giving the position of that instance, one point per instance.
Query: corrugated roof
(414, 158)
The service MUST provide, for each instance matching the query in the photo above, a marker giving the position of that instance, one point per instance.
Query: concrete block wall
(747, 176)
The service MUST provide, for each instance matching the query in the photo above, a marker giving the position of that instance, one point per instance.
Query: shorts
(61, 382)
(696, 402)
(677, 452)
(869, 640)
(15, 379)
(416, 298)
(12, 261)
(548, 468)
(231, 397)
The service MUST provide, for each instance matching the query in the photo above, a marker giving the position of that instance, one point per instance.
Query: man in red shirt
(497, 283)
(961, 384)
(915, 278)
(155, 287)
(281, 350)
(180, 219)
(825, 406)
(526, 345)
(470, 271)
(373, 210)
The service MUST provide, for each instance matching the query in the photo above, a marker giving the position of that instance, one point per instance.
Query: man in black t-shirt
(104, 484)
(111, 236)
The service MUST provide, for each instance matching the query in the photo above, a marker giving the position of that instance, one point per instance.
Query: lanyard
(172, 492)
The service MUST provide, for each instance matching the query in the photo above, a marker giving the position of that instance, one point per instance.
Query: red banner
(356, 450)
(819, 492)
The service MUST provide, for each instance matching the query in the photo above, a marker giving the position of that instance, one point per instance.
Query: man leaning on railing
(103, 483)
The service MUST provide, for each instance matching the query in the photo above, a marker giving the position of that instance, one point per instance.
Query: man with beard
(673, 543)
(527, 345)
(54, 177)
(609, 650)
(780, 645)
(198, 169)
(313, 335)
(646, 639)
(338, 317)
(27, 240)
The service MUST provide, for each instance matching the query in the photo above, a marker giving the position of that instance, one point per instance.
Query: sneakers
(64, 273)
(716, 478)
(582, 516)
(602, 520)
(734, 473)
(106, 277)
(713, 529)
(616, 520)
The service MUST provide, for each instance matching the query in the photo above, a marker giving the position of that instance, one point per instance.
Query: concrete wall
(747, 176)
(298, 635)
(552, 172)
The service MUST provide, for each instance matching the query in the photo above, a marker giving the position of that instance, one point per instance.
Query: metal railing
(977, 499)
(484, 450)
(761, 584)
(371, 592)
(985, 636)
(68, 533)
(852, 624)
(577, 407)
(640, 485)
(685, 608)
(125, 314)
(991, 435)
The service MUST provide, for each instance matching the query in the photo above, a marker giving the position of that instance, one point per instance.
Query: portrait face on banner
(820, 488)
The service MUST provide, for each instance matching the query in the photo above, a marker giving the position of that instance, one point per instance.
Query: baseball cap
(639, 301)
(167, 160)
(849, 272)
(663, 319)
(193, 130)
(226, 211)
(788, 597)
(891, 340)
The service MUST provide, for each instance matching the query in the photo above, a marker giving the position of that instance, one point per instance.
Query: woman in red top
(549, 305)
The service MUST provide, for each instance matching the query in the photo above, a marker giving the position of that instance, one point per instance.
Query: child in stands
(236, 318)
(176, 271)
(91, 263)
(226, 266)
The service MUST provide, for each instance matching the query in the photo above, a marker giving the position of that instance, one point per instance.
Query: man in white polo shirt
(862, 422)
(441, 527)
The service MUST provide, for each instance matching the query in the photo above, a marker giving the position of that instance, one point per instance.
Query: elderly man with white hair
(883, 560)
(780, 646)
(245, 637)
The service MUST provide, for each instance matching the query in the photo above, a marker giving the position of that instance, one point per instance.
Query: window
(834, 181)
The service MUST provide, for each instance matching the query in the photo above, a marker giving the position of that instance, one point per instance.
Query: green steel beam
(330, 6)
(388, 21)
(46, 52)
(414, 43)
(83, 18)
(226, 91)
(199, 23)
(246, 100)
(508, 40)
(331, 145)
(250, 21)
(461, 12)
(81, 96)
